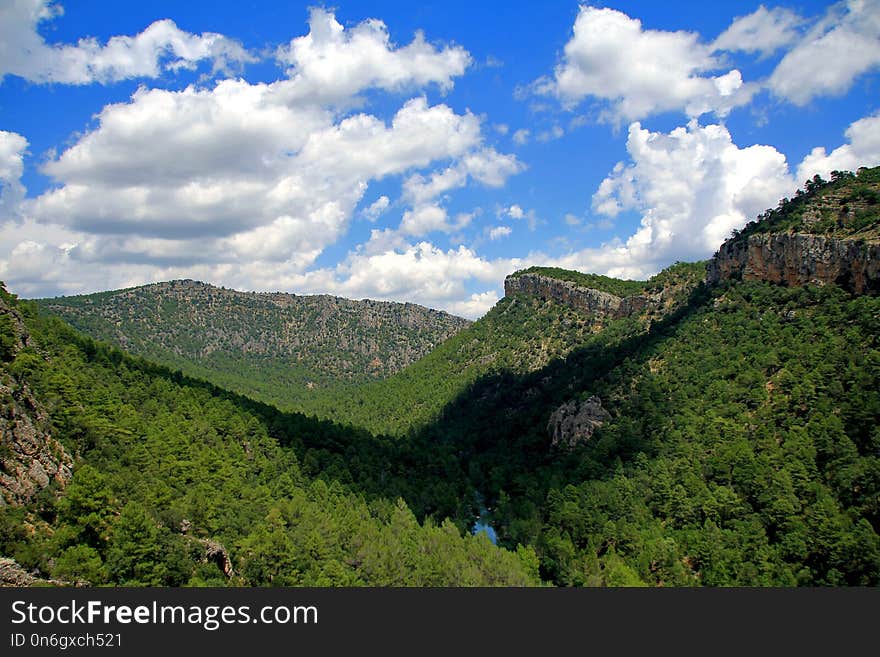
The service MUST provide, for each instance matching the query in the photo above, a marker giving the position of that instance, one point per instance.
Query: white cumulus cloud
(863, 150)
(161, 46)
(763, 31)
(521, 136)
(331, 64)
(420, 272)
(237, 167)
(842, 46)
(12, 191)
(691, 186)
(497, 232)
(245, 184)
(640, 72)
(377, 208)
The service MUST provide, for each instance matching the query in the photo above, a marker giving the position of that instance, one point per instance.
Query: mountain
(177, 482)
(273, 347)
(826, 235)
(715, 425)
(527, 330)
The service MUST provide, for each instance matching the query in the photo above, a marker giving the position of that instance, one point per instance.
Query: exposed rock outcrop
(594, 302)
(215, 553)
(212, 551)
(799, 259)
(30, 458)
(13, 575)
(574, 423)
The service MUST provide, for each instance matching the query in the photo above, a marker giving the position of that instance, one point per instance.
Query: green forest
(157, 453)
(283, 349)
(738, 444)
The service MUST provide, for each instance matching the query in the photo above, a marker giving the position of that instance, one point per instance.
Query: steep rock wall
(591, 301)
(30, 458)
(799, 259)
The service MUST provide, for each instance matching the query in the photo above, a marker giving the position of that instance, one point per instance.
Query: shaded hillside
(733, 441)
(740, 446)
(177, 482)
(273, 347)
(521, 334)
(725, 435)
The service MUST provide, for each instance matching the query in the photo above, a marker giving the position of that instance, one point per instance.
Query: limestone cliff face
(593, 302)
(30, 458)
(574, 423)
(799, 259)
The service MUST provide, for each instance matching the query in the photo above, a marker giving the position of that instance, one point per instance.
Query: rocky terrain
(30, 458)
(334, 336)
(574, 423)
(589, 300)
(799, 259)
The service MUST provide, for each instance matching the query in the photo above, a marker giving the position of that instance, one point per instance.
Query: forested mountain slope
(736, 440)
(523, 333)
(716, 425)
(176, 482)
(270, 346)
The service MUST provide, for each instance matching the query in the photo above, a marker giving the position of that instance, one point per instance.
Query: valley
(714, 425)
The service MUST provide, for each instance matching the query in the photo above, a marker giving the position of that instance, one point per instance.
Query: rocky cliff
(30, 458)
(574, 423)
(799, 259)
(589, 300)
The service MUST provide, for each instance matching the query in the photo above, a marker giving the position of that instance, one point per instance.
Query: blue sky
(413, 152)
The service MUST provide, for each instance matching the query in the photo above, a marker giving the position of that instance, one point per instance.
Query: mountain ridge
(272, 345)
(730, 438)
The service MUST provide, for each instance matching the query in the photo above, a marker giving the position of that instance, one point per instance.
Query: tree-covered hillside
(521, 334)
(848, 206)
(278, 348)
(727, 435)
(741, 447)
(177, 482)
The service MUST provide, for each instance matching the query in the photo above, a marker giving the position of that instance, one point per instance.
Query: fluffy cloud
(863, 150)
(521, 136)
(485, 166)
(641, 72)
(377, 208)
(424, 219)
(691, 186)
(161, 46)
(419, 272)
(842, 46)
(245, 184)
(331, 64)
(12, 149)
(237, 167)
(474, 306)
(515, 211)
(763, 31)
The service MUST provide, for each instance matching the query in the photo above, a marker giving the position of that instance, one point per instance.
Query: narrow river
(484, 524)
